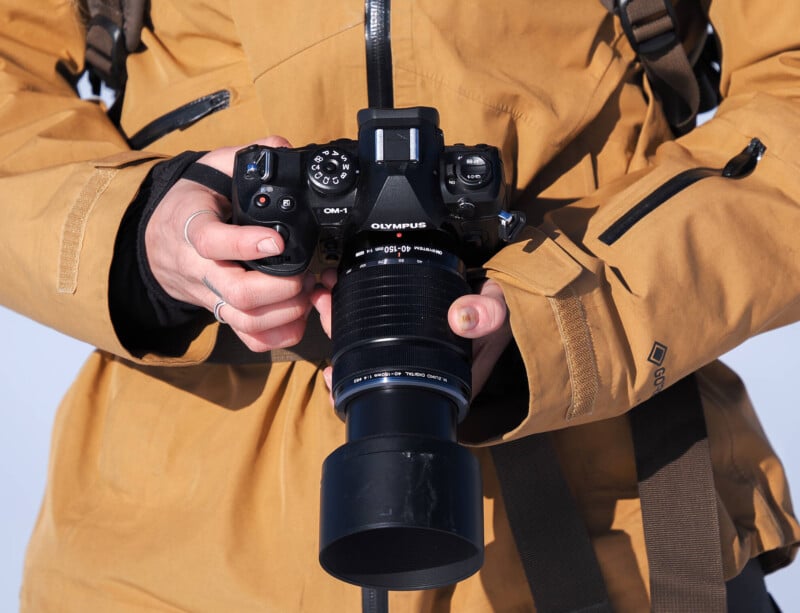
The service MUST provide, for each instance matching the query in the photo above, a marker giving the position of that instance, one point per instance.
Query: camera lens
(390, 319)
(401, 500)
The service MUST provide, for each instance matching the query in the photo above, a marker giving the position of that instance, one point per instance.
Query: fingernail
(268, 246)
(467, 319)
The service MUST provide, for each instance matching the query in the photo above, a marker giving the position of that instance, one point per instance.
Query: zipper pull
(744, 163)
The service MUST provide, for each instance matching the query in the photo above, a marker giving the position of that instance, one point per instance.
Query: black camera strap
(380, 94)
(380, 89)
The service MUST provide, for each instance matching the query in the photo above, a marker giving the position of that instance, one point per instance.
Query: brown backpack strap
(679, 503)
(679, 512)
(651, 27)
(112, 32)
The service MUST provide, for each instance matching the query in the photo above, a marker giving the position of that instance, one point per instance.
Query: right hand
(265, 312)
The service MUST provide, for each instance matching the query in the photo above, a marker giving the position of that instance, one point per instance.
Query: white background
(37, 365)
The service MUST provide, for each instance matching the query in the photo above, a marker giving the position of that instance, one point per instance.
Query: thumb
(478, 315)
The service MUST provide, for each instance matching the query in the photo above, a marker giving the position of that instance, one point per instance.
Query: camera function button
(286, 203)
(474, 170)
(466, 208)
(261, 200)
(331, 171)
(261, 167)
(282, 230)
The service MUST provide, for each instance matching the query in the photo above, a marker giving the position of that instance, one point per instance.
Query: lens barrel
(401, 500)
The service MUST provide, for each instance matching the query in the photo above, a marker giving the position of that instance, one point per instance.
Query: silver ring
(217, 307)
(189, 220)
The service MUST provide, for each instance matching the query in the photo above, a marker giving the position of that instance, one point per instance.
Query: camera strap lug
(511, 222)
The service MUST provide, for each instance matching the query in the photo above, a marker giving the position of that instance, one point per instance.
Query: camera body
(397, 177)
(401, 216)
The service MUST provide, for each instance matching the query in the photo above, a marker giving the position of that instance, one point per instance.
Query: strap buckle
(651, 31)
(106, 52)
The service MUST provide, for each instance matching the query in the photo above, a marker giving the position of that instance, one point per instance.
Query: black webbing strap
(652, 30)
(113, 31)
(679, 512)
(679, 505)
(551, 537)
(374, 600)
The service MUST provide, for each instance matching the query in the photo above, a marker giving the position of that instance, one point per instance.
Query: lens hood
(401, 512)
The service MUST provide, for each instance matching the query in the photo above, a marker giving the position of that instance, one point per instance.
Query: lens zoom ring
(394, 300)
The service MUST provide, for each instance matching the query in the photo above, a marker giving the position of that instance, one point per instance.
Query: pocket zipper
(180, 118)
(738, 167)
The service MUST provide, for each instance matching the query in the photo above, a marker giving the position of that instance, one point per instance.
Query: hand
(484, 318)
(195, 258)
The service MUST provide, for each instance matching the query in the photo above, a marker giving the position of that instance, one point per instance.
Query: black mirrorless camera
(401, 215)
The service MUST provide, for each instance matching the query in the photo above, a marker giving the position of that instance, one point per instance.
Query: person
(186, 456)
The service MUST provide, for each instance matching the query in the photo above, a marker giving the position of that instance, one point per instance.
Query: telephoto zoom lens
(401, 500)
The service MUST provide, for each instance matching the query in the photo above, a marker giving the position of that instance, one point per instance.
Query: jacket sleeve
(66, 179)
(623, 293)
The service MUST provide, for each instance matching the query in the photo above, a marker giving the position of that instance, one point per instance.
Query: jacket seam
(307, 48)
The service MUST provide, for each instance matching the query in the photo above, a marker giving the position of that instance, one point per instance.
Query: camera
(402, 216)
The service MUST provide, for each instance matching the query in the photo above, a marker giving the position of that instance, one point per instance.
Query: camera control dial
(474, 170)
(331, 171)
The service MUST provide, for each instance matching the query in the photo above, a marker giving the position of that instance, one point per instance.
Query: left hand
(482, 317)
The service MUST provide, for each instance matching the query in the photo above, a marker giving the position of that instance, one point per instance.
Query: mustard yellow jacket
(180, 485)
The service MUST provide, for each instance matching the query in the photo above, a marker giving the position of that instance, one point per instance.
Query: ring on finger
(217, 307)
(191, 218)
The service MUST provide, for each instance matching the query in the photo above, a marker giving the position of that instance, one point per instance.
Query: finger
(477, 315)
(249, 290)
(321, 299)
(327, 374)
(328, 278)
(216, 240)
(256, 322)
(275, 338)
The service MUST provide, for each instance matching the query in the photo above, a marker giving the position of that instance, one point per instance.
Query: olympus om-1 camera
(401, 215)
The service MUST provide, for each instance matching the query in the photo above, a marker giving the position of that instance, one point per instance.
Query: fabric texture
(177, 483)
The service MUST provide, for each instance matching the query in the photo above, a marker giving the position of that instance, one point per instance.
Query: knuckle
(243, 244)
(296, 311)
(292, 334)
(294, 286)
(242, 297)
(249, 325)
(201, 242)
(253, 343)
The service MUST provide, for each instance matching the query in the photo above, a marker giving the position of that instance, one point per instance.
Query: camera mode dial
(332, 171)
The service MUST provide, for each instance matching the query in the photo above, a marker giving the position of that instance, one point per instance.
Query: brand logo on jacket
(658, 354)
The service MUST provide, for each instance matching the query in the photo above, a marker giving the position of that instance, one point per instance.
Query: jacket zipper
(738, 167)
(180, 118)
